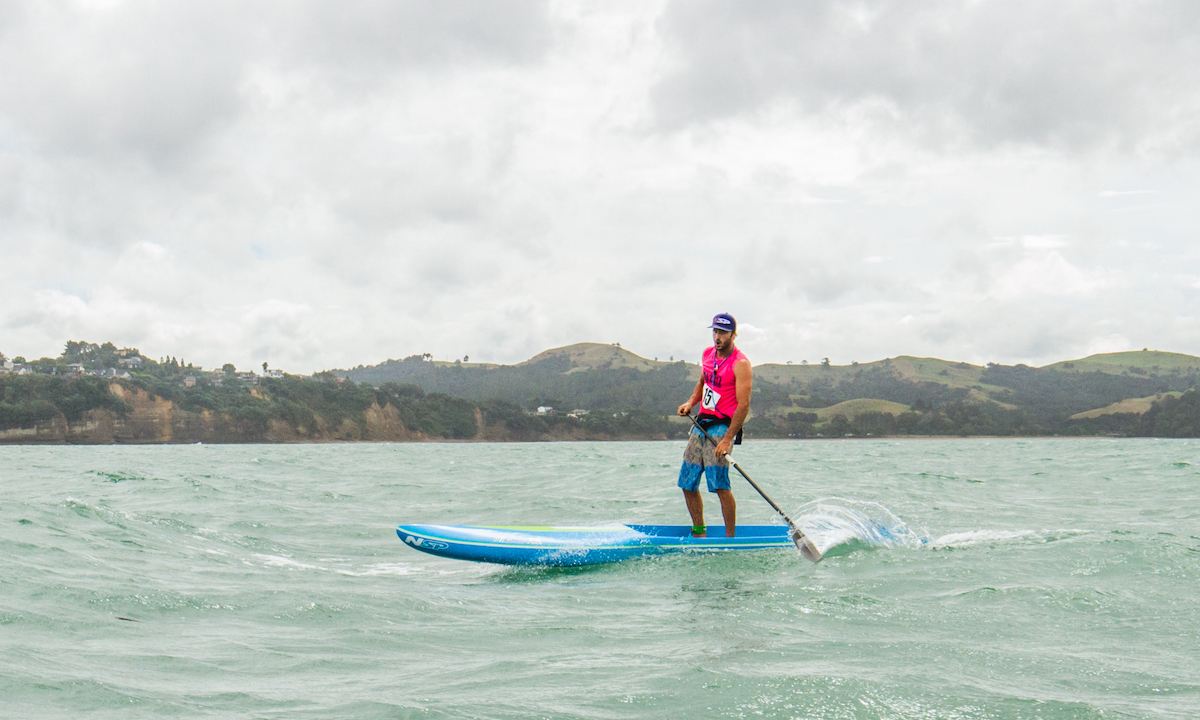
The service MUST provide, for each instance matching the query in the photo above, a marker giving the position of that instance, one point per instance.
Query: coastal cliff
(150, 419)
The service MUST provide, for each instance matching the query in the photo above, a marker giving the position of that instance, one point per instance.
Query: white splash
(278, 561)
(841, 523)
(383, 569)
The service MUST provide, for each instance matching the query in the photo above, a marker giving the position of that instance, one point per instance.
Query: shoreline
(456, 441)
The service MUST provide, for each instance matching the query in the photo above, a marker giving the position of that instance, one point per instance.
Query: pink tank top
(720, 387)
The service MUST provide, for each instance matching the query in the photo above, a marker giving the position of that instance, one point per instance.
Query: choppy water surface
(963, 579)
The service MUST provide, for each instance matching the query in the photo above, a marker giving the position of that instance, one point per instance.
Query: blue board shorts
(699, 457)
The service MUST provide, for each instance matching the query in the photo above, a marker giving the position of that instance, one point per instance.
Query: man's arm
(686, 408)
(744, 375)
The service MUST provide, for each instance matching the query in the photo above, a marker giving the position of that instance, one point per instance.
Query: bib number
(710, 398)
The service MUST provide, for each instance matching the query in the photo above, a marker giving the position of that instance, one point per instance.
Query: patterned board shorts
(699, 457)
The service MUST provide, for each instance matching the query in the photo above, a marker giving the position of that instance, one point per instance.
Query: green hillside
(1135, 406)
(901, 395)
(912, 369)
(852, 409)
(1143, 362)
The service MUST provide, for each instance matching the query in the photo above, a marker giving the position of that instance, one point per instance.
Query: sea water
(1045, 578)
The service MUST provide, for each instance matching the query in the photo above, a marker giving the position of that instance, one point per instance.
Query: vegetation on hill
(896, 396)
(226, 406)
(588, 376)
(623, 382)
(617, 394)
(1004, 400)
(29, 400)
(1171, 417)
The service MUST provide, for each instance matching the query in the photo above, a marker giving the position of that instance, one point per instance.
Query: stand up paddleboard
(565, 546)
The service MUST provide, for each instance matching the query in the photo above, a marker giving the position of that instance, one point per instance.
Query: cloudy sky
(321, 184)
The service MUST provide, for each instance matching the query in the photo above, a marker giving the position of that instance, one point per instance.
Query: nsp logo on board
(425, 543)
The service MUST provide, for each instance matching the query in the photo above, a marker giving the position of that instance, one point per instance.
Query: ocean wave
(995, 537)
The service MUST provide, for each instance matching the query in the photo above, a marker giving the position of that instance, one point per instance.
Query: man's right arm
(686, 408)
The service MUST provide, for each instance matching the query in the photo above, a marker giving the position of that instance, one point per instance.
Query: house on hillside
(545, 410)
(273, 373)
(189, 381)
(248, 377)
(133, 362)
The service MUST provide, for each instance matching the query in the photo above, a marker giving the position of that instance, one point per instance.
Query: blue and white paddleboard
(570, 546)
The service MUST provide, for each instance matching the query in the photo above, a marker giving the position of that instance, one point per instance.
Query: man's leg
(695, 506)
(717, 473)
(689, 480)
(728, 510)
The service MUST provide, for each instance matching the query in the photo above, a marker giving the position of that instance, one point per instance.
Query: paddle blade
(804, 545)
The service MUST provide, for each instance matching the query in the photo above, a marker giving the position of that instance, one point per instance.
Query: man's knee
(689, 476)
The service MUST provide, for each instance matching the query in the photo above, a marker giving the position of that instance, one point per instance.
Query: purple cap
(724, 321)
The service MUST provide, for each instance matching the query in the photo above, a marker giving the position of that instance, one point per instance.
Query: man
(723, 393)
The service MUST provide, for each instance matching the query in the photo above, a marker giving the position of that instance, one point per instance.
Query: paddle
(803, 544)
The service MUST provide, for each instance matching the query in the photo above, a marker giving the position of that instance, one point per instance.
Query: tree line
(456, 402)
(315, 408)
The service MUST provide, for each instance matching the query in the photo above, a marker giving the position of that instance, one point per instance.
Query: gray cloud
(379, 36)
(148, 79)
(321, 185)
(1068, 75)
(157, 79)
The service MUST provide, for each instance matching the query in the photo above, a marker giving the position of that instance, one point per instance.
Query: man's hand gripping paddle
(803, 544)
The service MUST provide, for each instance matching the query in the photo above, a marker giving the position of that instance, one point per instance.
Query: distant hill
(598, 392)
(1137, 363)
(586, 375)
(1100, 394)
(911, 369)
(594, 356)
(170, 402)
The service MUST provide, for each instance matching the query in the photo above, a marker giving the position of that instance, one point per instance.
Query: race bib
(710, 398)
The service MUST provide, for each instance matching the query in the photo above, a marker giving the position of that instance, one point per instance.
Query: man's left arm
(744, 377)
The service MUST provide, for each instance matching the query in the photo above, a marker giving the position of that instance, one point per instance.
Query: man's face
(723, 340)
